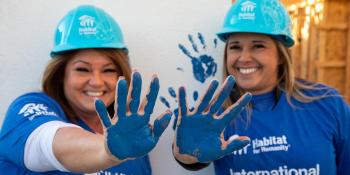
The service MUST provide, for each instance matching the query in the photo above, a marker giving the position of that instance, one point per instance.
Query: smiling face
(253, 60)
(89, 74)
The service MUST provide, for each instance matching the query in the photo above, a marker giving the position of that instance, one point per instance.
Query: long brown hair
(52, 81)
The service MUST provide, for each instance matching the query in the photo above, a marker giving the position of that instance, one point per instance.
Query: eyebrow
(259, 41)
(85, 62)
(254, 41)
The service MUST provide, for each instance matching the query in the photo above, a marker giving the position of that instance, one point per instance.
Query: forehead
(249, 37)
(91, 56)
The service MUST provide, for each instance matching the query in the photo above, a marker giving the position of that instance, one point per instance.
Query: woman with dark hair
(58, 131)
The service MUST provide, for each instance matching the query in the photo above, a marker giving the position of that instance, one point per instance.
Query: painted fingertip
(246, 99)
(231, 78)
(136, 73)
(155, 82)
(136, 76)
(121, 78)
(214, 84)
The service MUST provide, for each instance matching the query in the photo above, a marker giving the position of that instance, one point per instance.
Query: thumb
(236, 143)
(161, 123)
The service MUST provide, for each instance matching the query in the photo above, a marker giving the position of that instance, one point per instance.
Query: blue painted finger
(102, 112)
(235, 109)
(236, 144)
(208, 96)
(136, 84)
(152, 95)
(122, 92)
(161, 124)
(182, 102)
(225, 92)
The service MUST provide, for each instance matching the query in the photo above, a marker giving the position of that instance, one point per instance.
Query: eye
(112, 70)
(235, 47)
(82, 69)
(259, 46)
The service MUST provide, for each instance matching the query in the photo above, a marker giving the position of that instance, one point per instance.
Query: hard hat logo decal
(87, 25)
(247, 11)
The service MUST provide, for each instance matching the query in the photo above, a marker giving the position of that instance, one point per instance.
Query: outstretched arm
(127, 135)
(199, 134)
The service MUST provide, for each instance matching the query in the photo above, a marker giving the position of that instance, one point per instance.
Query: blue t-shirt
(307, 139)
(27, 113)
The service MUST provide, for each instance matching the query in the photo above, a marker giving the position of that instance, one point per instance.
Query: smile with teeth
(94, 94)
(247, 70)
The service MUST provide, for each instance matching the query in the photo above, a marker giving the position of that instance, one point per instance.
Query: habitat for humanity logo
(87, 25)
(270, 144)
(247, 11)
(265, 144)
(32, 110)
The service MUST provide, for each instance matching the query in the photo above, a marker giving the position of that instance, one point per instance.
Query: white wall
(153, 29)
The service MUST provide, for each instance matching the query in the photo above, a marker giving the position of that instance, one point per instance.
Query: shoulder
(33, 99)
(315, 89)
(327, 98)
(31, 106)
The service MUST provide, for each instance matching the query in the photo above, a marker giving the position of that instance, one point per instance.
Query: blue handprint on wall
(203, 65)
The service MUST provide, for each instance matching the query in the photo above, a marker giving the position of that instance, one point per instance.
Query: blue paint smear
(185, 51)
(172, 92)
(201, 39)
(203, 66)
(215, 42)
(194, 45)
(164, 101)
(176, 113)
(195, 95)
(180, 69)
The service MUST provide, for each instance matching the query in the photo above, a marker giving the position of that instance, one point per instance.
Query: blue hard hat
(87, 27)
(258, 16)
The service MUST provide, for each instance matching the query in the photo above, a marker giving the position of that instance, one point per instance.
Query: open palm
(199, 133)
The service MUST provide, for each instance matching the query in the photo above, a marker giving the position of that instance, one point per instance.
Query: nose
(96, 79)
(245, 55)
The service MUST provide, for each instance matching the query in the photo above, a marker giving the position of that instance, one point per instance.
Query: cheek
(230, 61)
(111, 82)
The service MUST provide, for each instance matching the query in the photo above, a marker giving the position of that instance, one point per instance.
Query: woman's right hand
(199, 134)
(130, 135)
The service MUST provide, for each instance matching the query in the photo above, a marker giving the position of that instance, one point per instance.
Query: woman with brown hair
(58, 131)
(295, 126)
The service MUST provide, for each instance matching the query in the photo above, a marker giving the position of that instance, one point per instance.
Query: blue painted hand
(203, 65)
(199, 133)
(131, 135)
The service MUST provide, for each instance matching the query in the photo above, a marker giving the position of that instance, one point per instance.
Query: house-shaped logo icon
(248, 6)
(87, 21)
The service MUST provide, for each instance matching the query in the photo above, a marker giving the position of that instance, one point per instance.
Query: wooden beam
(347, 76)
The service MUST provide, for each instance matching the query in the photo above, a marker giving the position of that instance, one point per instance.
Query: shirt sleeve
(24, 115)
(38, 152)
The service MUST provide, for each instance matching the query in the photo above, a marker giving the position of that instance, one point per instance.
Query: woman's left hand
(199, 133)
(130, 135)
